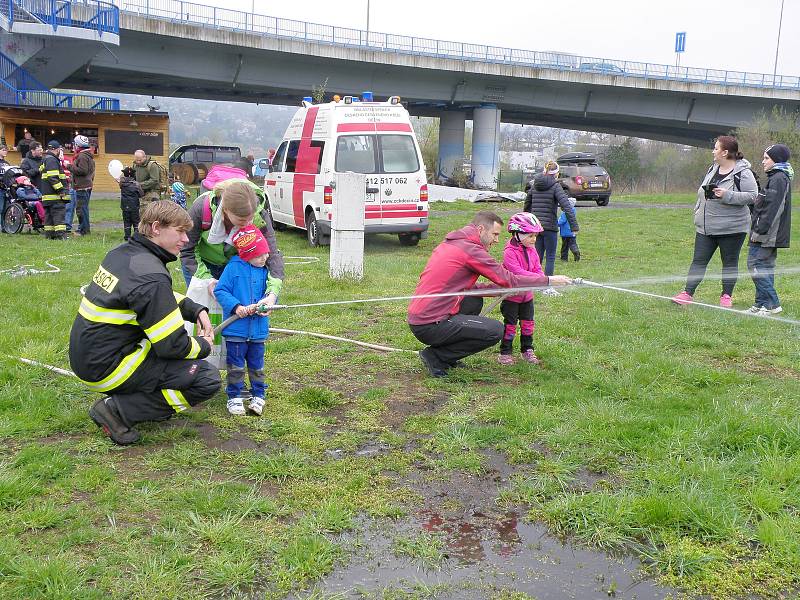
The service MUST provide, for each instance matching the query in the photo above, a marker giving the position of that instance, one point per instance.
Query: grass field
(668, 433)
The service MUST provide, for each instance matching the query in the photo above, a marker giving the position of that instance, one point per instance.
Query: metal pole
(778, 45)
(367, 22)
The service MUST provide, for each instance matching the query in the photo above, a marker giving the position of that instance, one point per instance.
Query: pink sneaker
(505, 359)
(683, 298)
(725, 301)
(530, 357)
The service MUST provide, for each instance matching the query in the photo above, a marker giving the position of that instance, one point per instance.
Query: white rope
(301, 260)
(21, 270)
(341, 339)
(694, 303)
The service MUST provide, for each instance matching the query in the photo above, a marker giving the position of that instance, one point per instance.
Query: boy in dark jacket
(568, 241)
(130, 193)
(240, 289)
(770, 228)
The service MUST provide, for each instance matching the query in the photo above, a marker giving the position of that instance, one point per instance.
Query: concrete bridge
(178, 48)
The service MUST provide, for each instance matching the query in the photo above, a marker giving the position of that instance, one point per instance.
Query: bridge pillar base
(485, 146)
(452, 125)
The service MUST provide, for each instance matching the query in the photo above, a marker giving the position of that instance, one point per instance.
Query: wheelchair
(18, 215)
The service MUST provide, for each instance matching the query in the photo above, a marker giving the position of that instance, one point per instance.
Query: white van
(374, 138)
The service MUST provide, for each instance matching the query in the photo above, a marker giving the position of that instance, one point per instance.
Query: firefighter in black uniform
(54, 193)
(129, 341)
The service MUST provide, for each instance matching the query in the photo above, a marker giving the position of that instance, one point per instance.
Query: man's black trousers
(161, 388)
(461, 335)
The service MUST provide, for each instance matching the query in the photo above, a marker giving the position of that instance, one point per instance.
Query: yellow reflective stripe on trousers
(123, 371)
(99, 314)
(176, 400)
(172, 322)
(194, 351)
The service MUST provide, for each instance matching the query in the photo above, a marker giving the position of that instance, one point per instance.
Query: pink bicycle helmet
(524, 222)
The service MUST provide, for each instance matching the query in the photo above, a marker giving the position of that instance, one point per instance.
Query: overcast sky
(734, 34)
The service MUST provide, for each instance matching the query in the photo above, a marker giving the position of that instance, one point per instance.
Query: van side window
(399, 154)
(204, 156)
(277, 160)
(355, 153)
(291, 156)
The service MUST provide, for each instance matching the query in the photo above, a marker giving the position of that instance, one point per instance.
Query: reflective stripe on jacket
(129, 314)
(54, 180)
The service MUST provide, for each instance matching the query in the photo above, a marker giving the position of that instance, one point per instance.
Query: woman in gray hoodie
(721, 218)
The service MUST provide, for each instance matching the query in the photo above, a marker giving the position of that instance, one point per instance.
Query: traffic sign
(680, 41)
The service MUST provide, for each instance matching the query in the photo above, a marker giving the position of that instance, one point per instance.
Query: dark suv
(583, 179)
(190, 163)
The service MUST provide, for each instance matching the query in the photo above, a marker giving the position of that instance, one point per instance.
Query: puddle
(485, 552)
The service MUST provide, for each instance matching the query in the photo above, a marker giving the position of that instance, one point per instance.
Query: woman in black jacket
(544, 197)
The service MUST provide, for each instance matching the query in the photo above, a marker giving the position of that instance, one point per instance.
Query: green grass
(667, 432)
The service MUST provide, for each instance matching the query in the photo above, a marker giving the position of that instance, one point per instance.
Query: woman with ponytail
(721, 218)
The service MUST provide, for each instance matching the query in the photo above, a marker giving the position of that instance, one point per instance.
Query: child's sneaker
(683, 298)
(235, 406)
(753, 310)
(505, 359)
(530, 357)
(256, 405)
(725, 301)
(770, 311)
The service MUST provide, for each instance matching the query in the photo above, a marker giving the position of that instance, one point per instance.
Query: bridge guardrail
(96, 15)
(223, 18)
(18, 86)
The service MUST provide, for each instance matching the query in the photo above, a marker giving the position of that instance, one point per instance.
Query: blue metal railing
(18, 86)
(95, 15)
(223, 18)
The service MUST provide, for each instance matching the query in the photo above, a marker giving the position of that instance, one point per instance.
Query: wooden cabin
(112, 134)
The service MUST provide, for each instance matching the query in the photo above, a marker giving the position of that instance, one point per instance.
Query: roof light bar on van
(394, 100)
(366, 96)
(337, 98)
(348, 99)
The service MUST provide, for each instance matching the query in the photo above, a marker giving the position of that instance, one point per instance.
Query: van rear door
(391, 163)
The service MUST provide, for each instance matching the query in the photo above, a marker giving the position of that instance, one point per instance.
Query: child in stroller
(23, 206)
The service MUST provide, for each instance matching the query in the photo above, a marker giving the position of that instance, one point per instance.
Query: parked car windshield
(376, 154)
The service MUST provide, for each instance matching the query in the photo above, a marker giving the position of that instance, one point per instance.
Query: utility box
(347, 226)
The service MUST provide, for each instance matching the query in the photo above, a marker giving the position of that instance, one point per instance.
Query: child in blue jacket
(568, 241)
(242, 286)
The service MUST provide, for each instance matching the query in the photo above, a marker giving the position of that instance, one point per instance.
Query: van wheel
(409, 239)
(312, 231)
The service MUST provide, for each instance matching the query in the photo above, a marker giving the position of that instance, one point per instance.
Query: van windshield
(376, 154)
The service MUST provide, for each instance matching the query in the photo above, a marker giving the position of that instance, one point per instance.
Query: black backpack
(737, 181)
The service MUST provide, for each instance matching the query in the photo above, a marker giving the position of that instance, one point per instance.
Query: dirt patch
(755, 367)
(482, 549)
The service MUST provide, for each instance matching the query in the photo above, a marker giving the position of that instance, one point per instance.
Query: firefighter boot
(107, 418)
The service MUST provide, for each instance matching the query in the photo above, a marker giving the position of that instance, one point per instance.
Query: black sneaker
(430, 363)
(110, 422)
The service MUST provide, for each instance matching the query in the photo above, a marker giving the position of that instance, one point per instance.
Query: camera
(709, 189)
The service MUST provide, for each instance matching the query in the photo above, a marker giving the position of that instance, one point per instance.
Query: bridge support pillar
(452, 124)
(485, 146)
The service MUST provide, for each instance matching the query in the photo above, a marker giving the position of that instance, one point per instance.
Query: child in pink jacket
(520, 257)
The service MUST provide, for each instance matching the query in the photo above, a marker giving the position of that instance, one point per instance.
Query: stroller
(18, 213)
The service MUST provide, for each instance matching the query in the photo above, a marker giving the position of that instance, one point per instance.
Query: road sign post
(680, 46)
